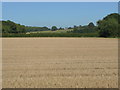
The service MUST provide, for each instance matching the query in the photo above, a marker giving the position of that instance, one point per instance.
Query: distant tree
(69, 27)
(91, 25)
(54, 28)
(45, 28)
(80, 26)
(75, 26)
(61, 28)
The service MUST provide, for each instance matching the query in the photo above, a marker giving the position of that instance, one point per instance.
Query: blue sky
(60, 14)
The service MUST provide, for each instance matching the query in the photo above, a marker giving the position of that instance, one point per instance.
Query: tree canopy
(54, 28)
(11, 27)
(109, 25)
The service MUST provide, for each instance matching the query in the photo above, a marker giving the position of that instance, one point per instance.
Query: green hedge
(51, 35)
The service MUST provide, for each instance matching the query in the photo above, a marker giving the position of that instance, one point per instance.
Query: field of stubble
(60, 63)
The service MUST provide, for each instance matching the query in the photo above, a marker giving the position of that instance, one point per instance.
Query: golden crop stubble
(60, 62)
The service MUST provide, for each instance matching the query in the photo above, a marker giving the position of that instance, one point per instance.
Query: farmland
(60, 62)
(57, 31)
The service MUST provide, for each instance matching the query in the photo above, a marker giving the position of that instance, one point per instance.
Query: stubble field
(60, 63)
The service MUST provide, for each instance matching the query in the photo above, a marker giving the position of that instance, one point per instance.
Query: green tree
(54, 28)
(91, 25)
(61, 28)
(9, 27)
(108, 27)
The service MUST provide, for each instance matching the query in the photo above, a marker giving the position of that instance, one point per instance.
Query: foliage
(90, 28)
(109, 26)
(91, 25)
(51, 35)
(61, 28)
(54, 28)
(35, 29)
(11, 27)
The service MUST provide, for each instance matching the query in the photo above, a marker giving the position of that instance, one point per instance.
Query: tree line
(107, 27)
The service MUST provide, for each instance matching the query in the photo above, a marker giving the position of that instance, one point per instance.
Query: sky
(60, 14)
(60, 0)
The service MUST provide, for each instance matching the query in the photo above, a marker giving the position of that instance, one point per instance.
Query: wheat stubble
(60, 63)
